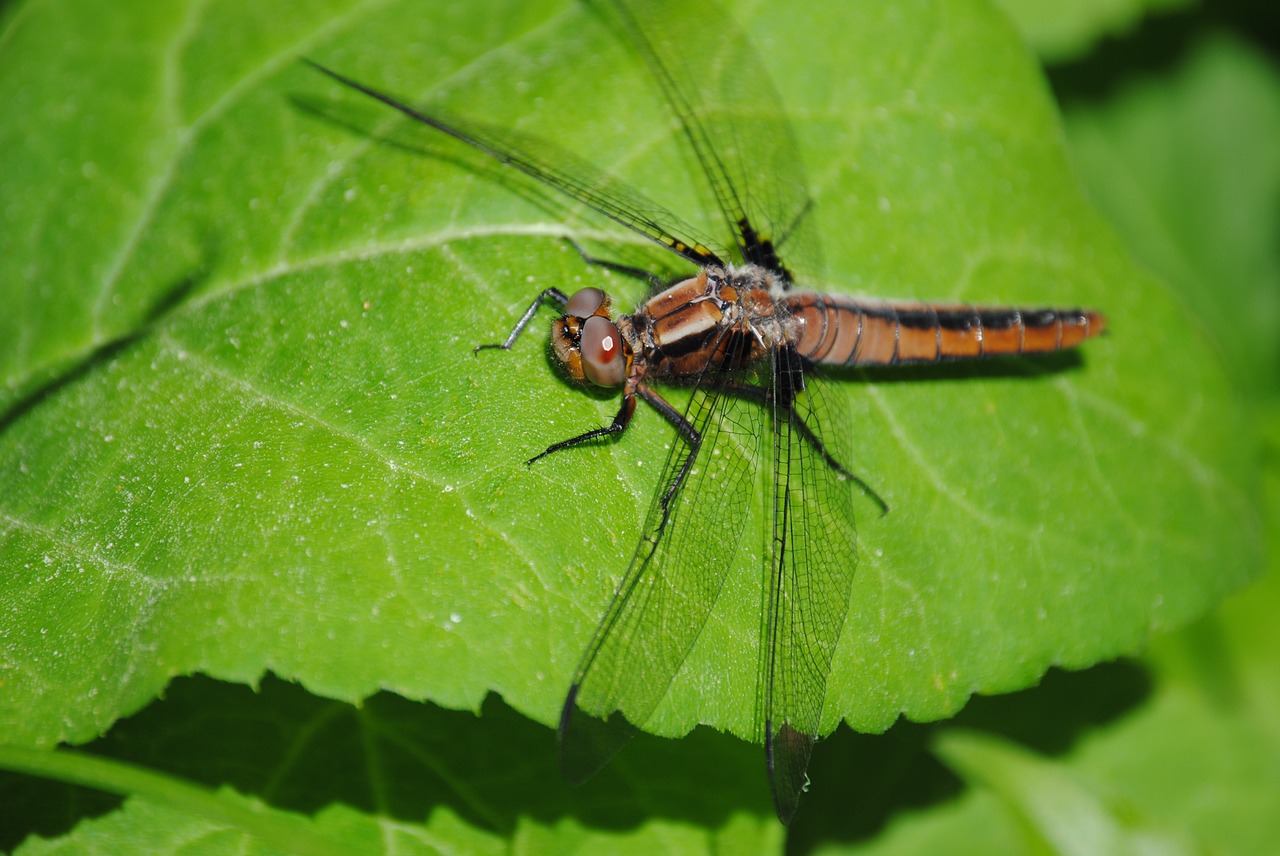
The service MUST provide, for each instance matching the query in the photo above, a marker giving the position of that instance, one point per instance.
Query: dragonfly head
(587, 342)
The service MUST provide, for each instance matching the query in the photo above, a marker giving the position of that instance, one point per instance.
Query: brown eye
(584, 302)
(601, 346)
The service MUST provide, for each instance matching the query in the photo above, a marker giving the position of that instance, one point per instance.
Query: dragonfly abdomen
(845, 331)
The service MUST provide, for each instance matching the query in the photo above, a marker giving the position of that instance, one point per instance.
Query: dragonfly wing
(815, 554)
(689, 543)
(553, 167)
(732, 119)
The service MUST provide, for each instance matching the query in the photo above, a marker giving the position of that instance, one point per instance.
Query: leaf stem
(279, 829)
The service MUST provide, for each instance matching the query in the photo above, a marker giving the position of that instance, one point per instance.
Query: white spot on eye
(607, 343)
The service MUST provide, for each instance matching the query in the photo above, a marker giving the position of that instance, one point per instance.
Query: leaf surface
(244, 430)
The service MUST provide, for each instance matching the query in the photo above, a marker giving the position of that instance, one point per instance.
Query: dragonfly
(751, 347)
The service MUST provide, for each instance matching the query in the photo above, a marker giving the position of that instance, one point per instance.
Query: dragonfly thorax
(724, 315)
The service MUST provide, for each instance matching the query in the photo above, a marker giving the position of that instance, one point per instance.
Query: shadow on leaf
(862, 782)
(398, 758)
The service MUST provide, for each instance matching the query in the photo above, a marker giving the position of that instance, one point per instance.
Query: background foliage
(271, 563)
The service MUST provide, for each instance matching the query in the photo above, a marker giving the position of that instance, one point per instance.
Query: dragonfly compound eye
(603, 361)
(584, 303)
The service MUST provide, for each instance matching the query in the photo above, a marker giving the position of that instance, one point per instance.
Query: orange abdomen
(845, 331)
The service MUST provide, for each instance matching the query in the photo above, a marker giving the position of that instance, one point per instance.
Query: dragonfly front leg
(549, 294)
(691, 436)
(617, 267)
(619, 424)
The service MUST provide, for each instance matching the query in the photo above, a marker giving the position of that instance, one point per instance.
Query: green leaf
(1062, 814)
(243, 429)
(1194, 768)
(325, 777)
(1194, 765)
(1065, 31)
(1186, 165)
(177, 808)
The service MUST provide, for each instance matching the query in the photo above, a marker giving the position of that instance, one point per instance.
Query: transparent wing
(559, 170)
(690, 540)
(732, 118)
(814, 558)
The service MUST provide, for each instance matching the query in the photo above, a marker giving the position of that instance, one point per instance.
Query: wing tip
(787, 755)
(585, 742)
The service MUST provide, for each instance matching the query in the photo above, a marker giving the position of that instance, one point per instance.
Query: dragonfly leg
(618, 425)
(816, 442)
(687, 431)
(766, 397)
(554, 294)
(617, 267)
